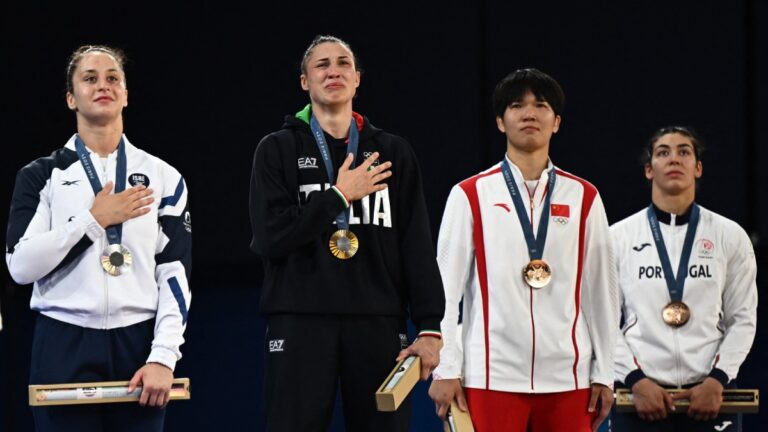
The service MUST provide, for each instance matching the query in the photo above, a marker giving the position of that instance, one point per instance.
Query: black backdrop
(208, 79)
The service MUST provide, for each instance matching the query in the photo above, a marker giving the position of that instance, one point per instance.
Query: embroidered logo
(69, 182)
(641, 247)
(403, 341)
(502, 205)
(276, 345)
(307, 163)
(561, 213)
(723, 426)
(187, 222)
(366, 155)
(705, 248)
(138, 179)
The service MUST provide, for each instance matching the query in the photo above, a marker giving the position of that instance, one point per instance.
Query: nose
(529, 113)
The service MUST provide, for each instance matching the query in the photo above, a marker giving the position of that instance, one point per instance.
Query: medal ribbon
(114, 232)
(342, 219)
(675, 285)
(535, 245)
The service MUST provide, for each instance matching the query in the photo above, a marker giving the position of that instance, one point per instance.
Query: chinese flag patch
(562, 210)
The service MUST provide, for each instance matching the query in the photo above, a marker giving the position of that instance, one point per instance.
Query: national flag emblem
(562, 210)
(560, 213)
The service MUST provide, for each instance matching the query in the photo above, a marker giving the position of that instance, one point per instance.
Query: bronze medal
(343, 244)
(676, 314)
(116, 259)
(537, 274)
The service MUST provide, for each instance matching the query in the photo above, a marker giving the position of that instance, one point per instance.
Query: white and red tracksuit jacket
(515, 338)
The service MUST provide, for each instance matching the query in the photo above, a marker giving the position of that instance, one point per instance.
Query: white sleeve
(625, 358)
(172, 271)
(34, 249)
(455, 257)
(599, 294)
(739, 303)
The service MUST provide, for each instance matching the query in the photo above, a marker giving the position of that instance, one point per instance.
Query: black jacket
(292, 216)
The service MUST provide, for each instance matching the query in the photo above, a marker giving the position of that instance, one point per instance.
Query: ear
(557, 124)
(304, 84)
(699, 169)
(648, 171)
(500, 125)
(71, 101)
(357, 79)
(126, 98)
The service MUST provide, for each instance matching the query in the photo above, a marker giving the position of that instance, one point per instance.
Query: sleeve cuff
(341, 196)
(93, 230)
(164, 356)
(720, 376)
(430, 333)
(633, 377)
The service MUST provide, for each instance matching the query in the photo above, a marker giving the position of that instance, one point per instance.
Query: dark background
(208, 79)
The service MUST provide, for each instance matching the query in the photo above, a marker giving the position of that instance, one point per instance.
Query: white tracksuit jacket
(515, 338)
(54, 241)
(720, 291)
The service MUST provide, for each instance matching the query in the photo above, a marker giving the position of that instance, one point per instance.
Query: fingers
(403, 354)
(368, 162)
(442, 409)
(593, 400)
(135, 381)
(461, 400)
(685, 394)
(669, 401)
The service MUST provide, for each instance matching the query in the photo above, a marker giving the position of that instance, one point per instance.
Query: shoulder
(41, 169)
(628, 224)
(731, 232)
(566, 176)
(470, 183)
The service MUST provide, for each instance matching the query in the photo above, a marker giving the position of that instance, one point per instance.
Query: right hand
(361, 181)
(651, 401)
(443, 392)
(111, 209)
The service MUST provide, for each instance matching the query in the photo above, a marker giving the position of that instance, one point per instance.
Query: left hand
(605, 394)
(156, 380)
(705, 398)
(428, 348)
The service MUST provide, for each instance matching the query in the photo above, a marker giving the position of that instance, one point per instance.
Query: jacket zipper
(104, 274)
(673, 226)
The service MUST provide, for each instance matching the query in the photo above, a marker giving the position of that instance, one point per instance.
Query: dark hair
(79, 53)
(319, 39)
(515, 85)
(698, 146)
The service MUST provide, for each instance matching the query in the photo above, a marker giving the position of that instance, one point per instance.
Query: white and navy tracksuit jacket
(720, 291)
(54, 241)
(516, 338)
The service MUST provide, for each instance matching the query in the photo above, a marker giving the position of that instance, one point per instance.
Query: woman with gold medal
(339, 218)
(688, 296)
(102, 230)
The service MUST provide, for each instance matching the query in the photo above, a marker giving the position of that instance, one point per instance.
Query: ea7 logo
(307, 162)
(276, 345)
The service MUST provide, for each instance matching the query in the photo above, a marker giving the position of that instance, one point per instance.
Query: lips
(104, 98)
(334, 85)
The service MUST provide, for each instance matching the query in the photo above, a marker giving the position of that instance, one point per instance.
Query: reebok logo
(69, 182)
(307, 163)
(724, 426)
(641, 247)
(276, 345)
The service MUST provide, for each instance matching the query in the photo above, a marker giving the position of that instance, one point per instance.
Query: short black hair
(515, 85)
(698, 146)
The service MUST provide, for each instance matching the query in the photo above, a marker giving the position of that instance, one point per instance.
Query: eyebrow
(669, 146)
(95, 71)
(328, 58)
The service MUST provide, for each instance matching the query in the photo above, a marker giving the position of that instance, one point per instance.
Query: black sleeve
(419, 262)
(280, 224)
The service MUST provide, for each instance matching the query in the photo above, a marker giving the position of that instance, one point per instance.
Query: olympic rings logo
(560, 220)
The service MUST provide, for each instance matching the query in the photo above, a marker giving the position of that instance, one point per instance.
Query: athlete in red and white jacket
(518, 342)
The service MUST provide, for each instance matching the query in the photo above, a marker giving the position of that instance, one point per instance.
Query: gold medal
(343, 244)
(676, 314)
(116, 259)
(537, 273)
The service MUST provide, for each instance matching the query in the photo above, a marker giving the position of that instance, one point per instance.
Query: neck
(531, 164)
(334, 120)
(101, 139)
(674, 204)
